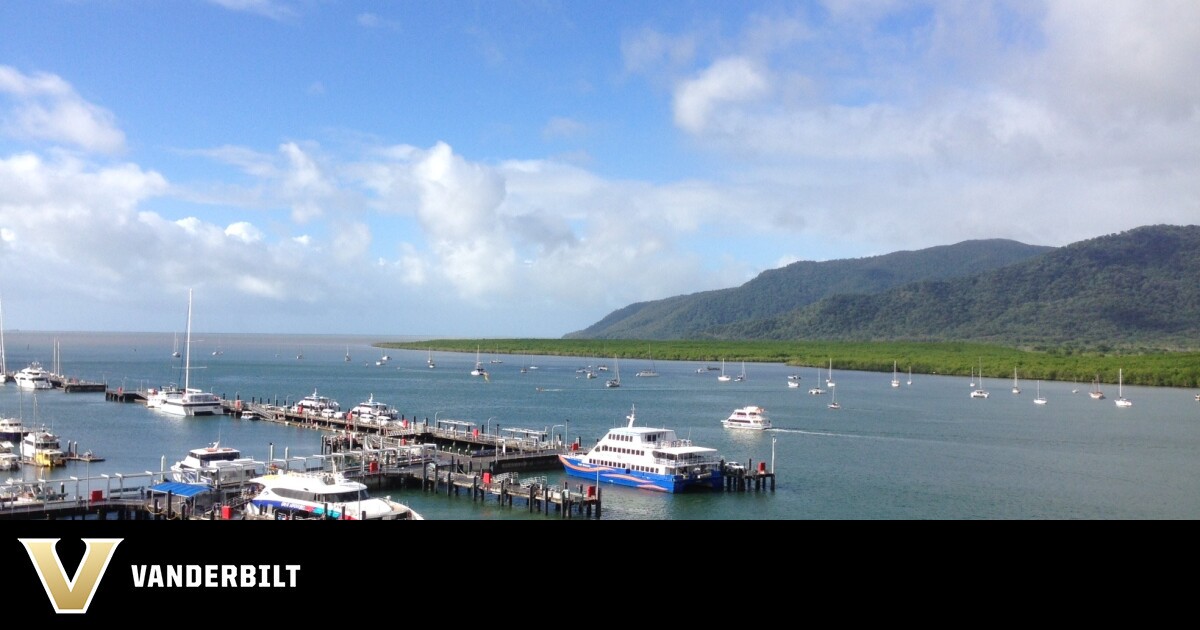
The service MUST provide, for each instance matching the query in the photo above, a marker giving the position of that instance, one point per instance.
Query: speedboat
(286, 495)
(217, 465)
(42, 448)
(750, 417)
(33, 377)
(647, 458)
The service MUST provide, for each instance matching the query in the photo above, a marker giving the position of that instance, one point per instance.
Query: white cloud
(46, 108)
(726, 82)
(274, 9)
(244, 232)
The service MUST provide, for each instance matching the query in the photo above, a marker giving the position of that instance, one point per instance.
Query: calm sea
(924, 450)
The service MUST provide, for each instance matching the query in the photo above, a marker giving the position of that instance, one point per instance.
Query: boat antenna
(632, 414)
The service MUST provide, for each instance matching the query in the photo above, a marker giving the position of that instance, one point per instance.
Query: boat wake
(547, 389)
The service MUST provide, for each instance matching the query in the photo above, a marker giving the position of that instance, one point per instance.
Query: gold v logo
(74, 595)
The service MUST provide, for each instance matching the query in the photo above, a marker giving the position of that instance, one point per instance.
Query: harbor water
(924, 450)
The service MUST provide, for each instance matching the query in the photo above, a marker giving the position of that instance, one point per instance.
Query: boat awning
(179, 489)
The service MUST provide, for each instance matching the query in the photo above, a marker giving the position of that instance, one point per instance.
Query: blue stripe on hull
(635, 479)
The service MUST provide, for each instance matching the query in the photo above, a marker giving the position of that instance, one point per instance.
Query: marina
(923, 451)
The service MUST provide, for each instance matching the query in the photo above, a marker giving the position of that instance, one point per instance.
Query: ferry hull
(575, 467)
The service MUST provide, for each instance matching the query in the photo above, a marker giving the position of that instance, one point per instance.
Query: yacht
(189, 401)
(895, 376)
(647, 458)
(1096, 394)
(12, 430)
(1121, 400)
(217, 465)
(33, 377)
(288, 495)
(156, 397)
(42, 448)
(750, 417)
(479, 369)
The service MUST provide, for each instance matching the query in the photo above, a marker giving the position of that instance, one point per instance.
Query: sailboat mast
(187, 350)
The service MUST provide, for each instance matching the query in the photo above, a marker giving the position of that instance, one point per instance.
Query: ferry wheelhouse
(648, 458)
(750, 417)
(288, 495)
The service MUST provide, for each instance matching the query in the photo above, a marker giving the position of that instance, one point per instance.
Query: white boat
(1040, 400)
(12, 430)
(1016, 389)
(895, 377)
(42, 448)
(20, 492)
(175, 354)
(190, 401)
(979, 392)
(816, 389)
(429, 360)
(288, 495)
(741, 377)
(372, 411)
(829, 375)
(347, 359)
(33, 377)
(9, 459)
(724, 378)
(750, 417)
(834, 404)
(793, 384)
(1121, 400)
(616, 380)
(479, 369)
(217, 466)
(647, 458)
(1096, 394)
(315, 404)
(910, 375)
(650, 372)
(156, 397)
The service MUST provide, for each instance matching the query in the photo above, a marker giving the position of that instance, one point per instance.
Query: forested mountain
(779, 291)
(1135, 288)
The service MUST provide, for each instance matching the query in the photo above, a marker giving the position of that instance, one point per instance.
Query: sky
(522, 169)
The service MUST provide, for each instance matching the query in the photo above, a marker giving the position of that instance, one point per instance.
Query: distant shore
(1151, 368)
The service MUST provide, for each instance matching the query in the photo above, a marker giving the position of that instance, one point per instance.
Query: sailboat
(817, 388)
(175, 348)
(829, 376)
(723, 377)
(910, 375)
(741, 377)
(1039, 400)
(1016, 388)
(895, 379)
(429, 360)
(1121, 400)
(478, 371)
(834, 404)
(347, 354)
(615, 381)
(651, 371)
(190, 402)
(3, 360)
(980, 392)
(1096, 393)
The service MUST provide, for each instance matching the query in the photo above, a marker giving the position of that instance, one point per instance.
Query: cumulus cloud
(44, 107)
(727, 82)
(244, 232)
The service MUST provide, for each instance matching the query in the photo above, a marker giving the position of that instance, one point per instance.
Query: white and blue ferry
(648, 458)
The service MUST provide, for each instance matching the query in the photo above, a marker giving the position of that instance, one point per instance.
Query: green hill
(780, 291)
(1135, 289)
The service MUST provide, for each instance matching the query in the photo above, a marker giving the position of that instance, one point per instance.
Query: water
(920, 451)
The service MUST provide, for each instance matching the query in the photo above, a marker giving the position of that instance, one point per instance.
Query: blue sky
(524, 168)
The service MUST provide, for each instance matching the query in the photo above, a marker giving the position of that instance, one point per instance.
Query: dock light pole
(555, 427)
(487, 428)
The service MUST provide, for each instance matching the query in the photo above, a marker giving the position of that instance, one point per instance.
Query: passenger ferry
(287, 495)
(644, 457)
(749, 417)
(373, 412)
(318, 405)
(217, 465)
